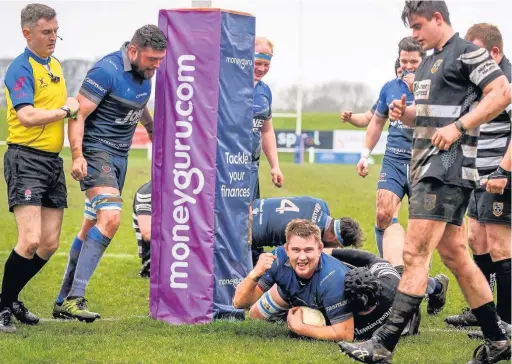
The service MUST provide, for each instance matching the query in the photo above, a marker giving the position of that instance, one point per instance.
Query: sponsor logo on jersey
(95, 85)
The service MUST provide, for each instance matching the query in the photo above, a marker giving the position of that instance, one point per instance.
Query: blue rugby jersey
(324, 291)
(121, 96)
(399, 143)
(271, 215)
(262, 111)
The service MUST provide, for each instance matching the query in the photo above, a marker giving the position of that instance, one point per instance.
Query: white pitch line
(109, 319)
(106, 255)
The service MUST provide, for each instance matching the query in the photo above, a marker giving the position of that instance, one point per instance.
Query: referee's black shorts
(34, 177)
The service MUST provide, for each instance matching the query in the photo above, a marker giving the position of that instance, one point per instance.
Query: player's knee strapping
(107, 201)
(269, 308)
(89, 212)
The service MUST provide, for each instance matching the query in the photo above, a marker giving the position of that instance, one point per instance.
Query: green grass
(126, 335)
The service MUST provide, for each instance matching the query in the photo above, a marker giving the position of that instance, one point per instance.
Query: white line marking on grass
(109, 319)
(106, 255)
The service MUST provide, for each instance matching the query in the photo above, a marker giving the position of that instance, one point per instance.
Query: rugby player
(370, 288)
(37, 105)
(394, 175)
(269, 217)
(443, 174)
(489, 211)
(263, 137)
(299, 274)
(112, 100)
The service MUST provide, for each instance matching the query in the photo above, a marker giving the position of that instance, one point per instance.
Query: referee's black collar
(126, 60)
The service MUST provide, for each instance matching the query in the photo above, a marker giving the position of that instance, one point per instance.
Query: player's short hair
(150, 36)
(351, 232)
(488, 34)
(409, 44)
(397, 66)
(31, 14)
(426, 9)
(260, 39)
(303, 228)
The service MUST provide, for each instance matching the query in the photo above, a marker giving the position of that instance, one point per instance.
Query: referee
(37, 105)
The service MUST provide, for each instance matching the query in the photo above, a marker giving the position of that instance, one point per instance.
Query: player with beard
(112, 101)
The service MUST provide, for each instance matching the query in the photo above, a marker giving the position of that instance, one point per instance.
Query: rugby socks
(403, 309)
(484, 262)
(433, 286)
(503, 282)
(35, 265)
(488, 320)
(17, 272)
(67, 281)
(92, 250)
(379, 236)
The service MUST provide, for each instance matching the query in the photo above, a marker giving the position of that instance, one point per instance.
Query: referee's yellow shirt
(29, 81)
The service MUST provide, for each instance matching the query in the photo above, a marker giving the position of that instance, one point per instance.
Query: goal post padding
(200, 165)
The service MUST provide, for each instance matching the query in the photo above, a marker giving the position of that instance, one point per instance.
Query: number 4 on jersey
(287, 205)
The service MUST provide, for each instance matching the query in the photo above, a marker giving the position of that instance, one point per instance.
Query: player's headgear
(362, 289)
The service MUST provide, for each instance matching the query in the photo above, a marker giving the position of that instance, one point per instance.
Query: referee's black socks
(18, 271)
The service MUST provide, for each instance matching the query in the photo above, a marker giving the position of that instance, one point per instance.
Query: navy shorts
(490, 208)
(255, 181)
(104, 169)
(394, 177)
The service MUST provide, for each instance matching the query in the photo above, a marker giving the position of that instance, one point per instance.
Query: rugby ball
(312, 317)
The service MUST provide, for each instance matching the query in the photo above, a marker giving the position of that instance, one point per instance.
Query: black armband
(500, 173)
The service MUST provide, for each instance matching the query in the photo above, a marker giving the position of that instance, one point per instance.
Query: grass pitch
(126, 335)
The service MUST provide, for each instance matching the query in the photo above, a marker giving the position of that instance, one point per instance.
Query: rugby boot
(413, 327)
(477, 334)
(370, 351)
(436, 301)
(491, 352)
(76, 308)
(466, 318)
(57, 312)
(23, 315)
(6, 321)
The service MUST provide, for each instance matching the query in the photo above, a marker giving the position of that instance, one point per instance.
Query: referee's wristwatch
(460, 127)
(67, 110)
